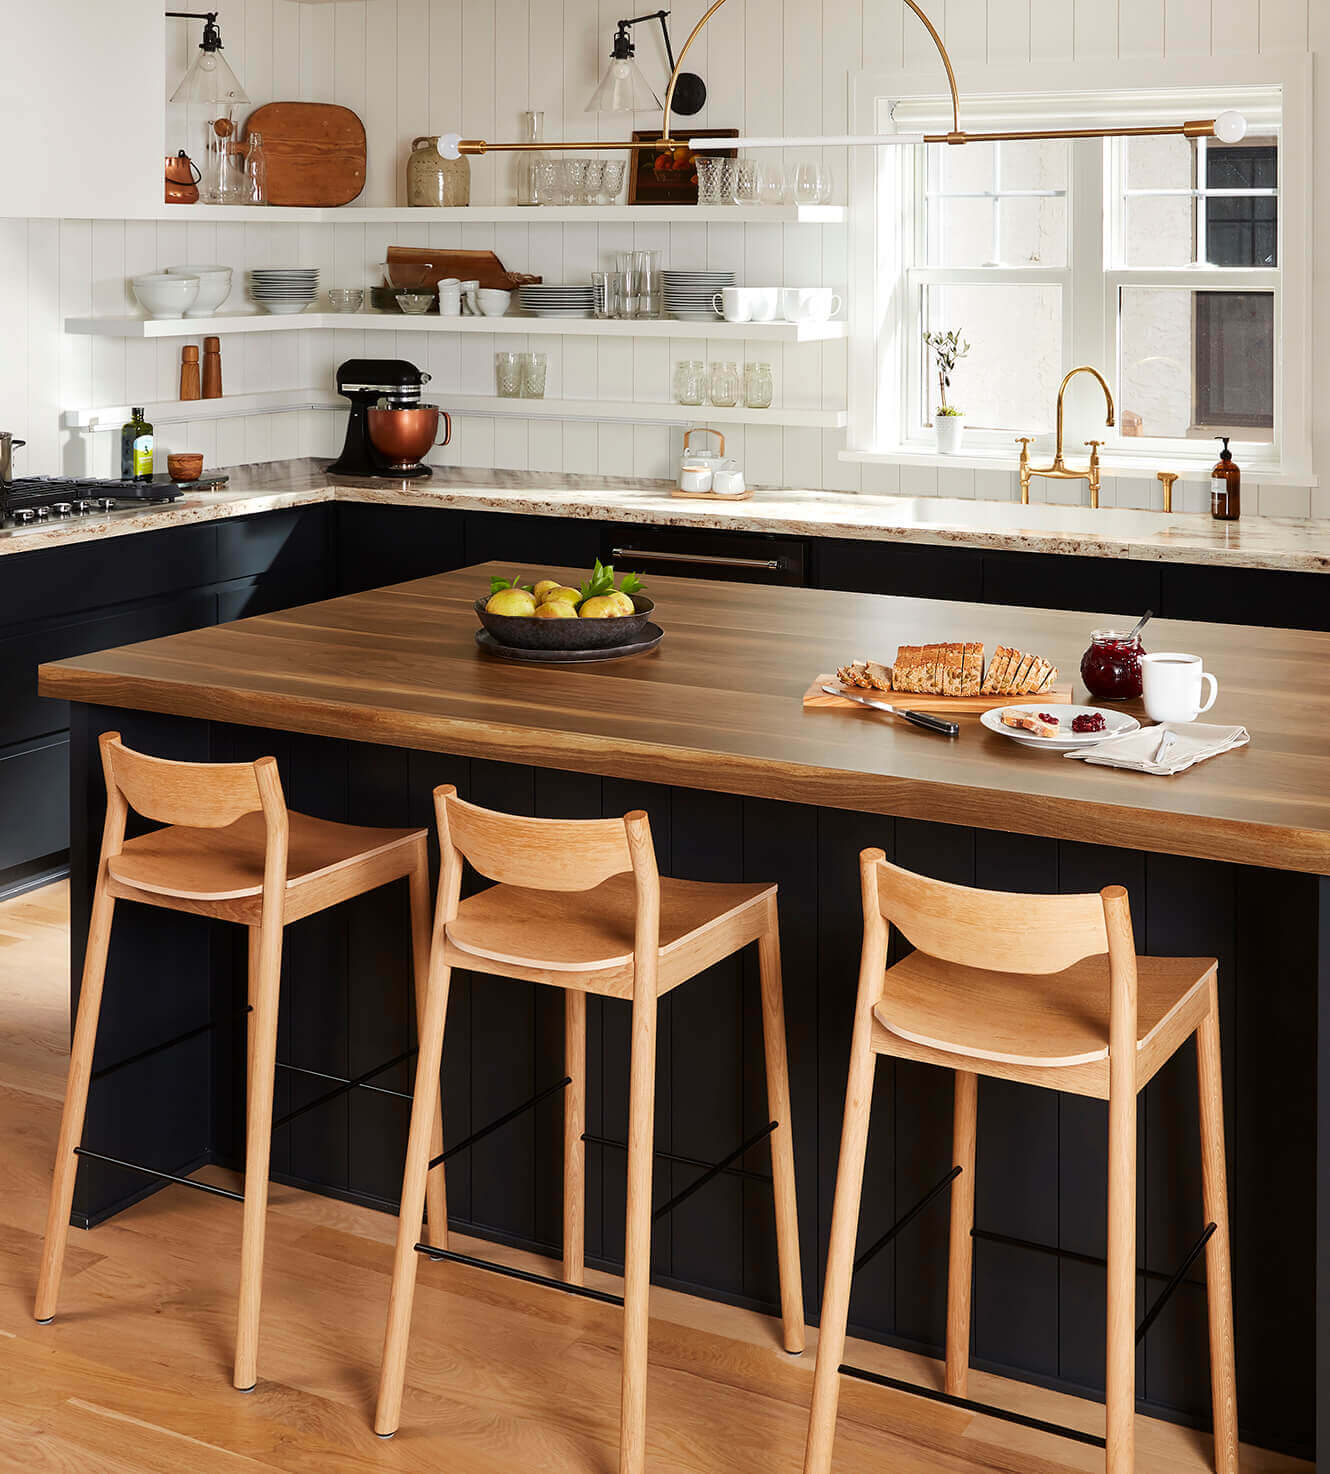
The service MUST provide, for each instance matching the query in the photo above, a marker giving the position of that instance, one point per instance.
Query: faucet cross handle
(1093, 447)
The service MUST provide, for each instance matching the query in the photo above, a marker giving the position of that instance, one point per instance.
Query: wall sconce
(624, 89)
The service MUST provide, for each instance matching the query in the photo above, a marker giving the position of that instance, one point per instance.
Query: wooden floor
(134, 1375)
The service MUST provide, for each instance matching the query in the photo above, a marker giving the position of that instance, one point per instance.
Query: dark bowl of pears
(555, 617)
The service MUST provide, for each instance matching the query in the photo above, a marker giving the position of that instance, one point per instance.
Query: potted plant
(949, 422)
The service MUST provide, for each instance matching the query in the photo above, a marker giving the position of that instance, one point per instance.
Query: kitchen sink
(1037, 517)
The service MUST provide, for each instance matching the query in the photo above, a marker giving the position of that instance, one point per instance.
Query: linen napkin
(1170, 747)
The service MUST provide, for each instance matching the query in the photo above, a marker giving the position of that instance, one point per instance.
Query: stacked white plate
(553, 299)
(688, 294)
(284, 288)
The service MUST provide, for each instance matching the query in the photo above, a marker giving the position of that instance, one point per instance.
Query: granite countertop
(1283, 544)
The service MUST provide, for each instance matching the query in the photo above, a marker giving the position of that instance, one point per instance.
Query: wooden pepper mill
(190, 387)
(212, 368)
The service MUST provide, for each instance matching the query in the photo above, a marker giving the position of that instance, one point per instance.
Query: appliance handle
(447, 427)
(713, 560)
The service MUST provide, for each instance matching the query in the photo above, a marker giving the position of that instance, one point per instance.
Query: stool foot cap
(788, 1352)
(45, 1322)
(393, 1434)
(248, 1389)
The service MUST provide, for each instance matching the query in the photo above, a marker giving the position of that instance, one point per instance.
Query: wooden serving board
(815, 697)
(315, 150)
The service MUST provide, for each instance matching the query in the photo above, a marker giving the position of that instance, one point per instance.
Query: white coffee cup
(450, 296)
(1172, 682)
(765, 303)
(735, 304)
(809, 304)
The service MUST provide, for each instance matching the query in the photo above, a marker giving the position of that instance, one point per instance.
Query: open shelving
(508, 214)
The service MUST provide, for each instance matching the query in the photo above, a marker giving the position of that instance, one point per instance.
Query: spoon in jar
(1141, 623)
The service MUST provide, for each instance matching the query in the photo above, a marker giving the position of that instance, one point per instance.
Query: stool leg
(960, 1266)
(844, 1232)
(1218, 1282)
(436, 1190)
(1120, 1388)
(76, 1102)
(637, 1246)
(428, 1063)
(782, 1139)
(264, 987)
(574, 1148)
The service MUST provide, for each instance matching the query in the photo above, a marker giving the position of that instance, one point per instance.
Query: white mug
(765, 303)
(1172, 684)
(450, 296)
(735, 304)
(809, 304)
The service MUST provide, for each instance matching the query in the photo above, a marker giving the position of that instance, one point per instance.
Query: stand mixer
(389, 431)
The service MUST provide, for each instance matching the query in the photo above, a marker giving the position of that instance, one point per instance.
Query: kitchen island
(371, 699)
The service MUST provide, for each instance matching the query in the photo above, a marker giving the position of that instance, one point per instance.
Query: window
(1164, 261)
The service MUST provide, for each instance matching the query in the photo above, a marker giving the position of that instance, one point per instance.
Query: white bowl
(285, 307)
(214, 287)
(163, 295)
(492, 302)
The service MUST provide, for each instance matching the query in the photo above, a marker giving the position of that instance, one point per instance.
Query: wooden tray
(816, 698)
(315, 150)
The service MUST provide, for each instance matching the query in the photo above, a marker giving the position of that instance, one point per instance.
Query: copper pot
(405, 436)
(182, 180)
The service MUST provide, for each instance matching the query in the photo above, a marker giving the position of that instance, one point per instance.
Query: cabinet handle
(711, 559)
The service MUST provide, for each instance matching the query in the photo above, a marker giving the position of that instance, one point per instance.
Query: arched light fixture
(1228, 127)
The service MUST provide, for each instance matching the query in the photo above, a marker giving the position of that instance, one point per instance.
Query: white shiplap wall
(427, 66)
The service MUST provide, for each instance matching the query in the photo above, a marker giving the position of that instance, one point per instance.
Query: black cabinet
(34, 799)
(1253, 596)
(378, 545)
(1063, 581)
(909, 570)
(558, 542)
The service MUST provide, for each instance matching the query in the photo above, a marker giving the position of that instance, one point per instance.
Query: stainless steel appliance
(381, 385)
(735, 557)
(35, 500)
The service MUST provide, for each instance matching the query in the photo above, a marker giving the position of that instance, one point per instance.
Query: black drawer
(911, 571)
(34, 799)
(1059, 581)
(272, 542)
(734, 557)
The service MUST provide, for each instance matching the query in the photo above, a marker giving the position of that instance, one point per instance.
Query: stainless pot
(8, 445)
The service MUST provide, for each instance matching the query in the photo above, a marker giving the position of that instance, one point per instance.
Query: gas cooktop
(30, 500)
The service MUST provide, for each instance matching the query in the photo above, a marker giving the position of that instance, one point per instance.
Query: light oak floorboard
(134, 1375)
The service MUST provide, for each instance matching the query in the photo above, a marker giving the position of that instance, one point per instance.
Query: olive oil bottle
(136, 448)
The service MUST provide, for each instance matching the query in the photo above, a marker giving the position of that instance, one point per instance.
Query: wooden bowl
(525, 632)
(184, 467)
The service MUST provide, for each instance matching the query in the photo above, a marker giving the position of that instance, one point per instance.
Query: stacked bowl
(214, 287)
(688, 294)
(284, 288)
(551, 299)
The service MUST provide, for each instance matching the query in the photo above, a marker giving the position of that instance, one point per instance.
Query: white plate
(1119, 723)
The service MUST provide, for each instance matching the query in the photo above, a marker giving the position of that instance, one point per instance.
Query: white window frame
(886, 236)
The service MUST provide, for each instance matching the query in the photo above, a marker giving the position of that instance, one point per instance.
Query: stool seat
(217, 865)
(592, 930)
(1040, 1020)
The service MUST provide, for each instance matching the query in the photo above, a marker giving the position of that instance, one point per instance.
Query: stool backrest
(196, 795)
(1000, 931)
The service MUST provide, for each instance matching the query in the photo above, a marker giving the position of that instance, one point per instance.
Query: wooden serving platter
(816, 698)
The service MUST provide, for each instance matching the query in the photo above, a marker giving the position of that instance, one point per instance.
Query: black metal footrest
(713, 1171)
(148, 1053)
(908, 1218)
(614, 1143)
(526, 1275)
(1178, 1275)
(969, 1405)
(343, 1086)
(503, 1120)
(203, 1187)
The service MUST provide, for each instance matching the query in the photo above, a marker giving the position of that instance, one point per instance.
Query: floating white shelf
(282, 401)
(510, 214)
(399, 322)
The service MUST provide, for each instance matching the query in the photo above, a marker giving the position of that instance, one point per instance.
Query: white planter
(950, 431)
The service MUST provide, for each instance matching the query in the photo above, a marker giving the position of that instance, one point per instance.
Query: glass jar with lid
(690, 381)
(759, 389)
(1111, 667)
(725, 385)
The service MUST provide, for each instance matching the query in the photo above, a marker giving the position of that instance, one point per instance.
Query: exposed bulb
(448, 146)
(1230, 127)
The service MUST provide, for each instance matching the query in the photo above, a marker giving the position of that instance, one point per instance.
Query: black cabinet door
(285, 590)
(557, 542)
(1252, 596)
(34, 798)
(1061, 581)
(379, 545)
(910, 570)
(272, 543)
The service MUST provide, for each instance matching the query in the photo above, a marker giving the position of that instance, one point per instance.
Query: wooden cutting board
(815, 698)
(316, 152)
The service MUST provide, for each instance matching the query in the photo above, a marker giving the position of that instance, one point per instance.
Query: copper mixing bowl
(405, 436)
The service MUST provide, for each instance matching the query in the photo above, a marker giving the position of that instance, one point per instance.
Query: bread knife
(917, 718)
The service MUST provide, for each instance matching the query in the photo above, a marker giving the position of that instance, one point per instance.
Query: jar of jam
(1111, 667)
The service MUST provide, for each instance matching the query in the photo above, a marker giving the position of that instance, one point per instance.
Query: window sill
(1127, 468)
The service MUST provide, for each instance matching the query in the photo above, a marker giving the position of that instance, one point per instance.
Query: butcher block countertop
(717, 706)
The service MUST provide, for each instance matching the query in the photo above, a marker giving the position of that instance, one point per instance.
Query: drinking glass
(746, 181)
(595, 180)
(646, 271)
(614, 172)
(812, 185)
(710, 171)
(574, 180)
(772, 189)
(724, 385)
(729, 169)
(602, 294)
(759, 389)
(508, 375)
(549, 181)
(624, 307)
(533, 370)
(690, 381)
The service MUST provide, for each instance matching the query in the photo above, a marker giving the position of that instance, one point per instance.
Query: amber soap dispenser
(1225, 486)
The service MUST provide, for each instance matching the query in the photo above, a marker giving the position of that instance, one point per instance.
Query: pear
(562, 593)
(622, 603)
(556, 609)
(510, 601)
(602, 606)
(543, 588)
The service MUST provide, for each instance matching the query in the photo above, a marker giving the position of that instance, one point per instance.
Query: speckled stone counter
(1283, 544)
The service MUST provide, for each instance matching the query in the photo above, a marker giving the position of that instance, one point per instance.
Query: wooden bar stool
(579, 905)
(1047, 990)
(230, 849)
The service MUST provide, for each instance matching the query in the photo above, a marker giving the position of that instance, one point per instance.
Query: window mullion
(1085, 320)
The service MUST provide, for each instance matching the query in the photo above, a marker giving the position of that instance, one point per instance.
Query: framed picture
(668, 176)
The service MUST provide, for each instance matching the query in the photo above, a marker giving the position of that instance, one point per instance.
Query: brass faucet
(1059, 471)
